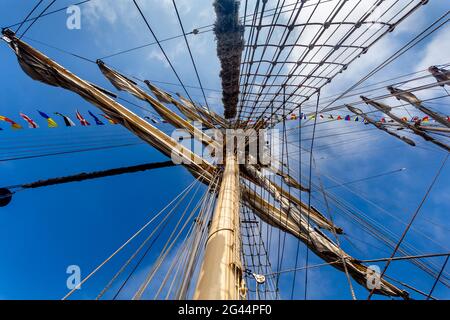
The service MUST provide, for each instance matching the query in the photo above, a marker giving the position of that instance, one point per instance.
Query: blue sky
(45, 230)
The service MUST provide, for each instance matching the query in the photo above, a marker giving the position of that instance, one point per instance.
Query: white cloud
(436, 51)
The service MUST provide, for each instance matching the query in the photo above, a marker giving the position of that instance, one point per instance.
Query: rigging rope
(37, 18)
(28, 15)
(127, 242)
(413, 218)
(162, 49)
(190, 53)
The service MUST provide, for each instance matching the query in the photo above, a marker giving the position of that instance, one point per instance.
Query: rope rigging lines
(273, 61)
(304, 56)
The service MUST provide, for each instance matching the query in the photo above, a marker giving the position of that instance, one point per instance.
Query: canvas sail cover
(162, 96)
(184, 108)
(416, 102)
(41, 68)
(387, 110)
(119, 81)
(321, 245)
(380, 126)
(122, 83)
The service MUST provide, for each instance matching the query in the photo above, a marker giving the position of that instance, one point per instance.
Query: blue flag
(97, 120)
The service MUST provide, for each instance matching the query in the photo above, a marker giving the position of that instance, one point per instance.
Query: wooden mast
(220, 276)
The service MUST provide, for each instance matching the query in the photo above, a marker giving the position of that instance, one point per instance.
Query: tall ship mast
(264, 209)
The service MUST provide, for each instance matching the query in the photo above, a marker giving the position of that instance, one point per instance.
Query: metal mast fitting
(220, 276)
(230, 45)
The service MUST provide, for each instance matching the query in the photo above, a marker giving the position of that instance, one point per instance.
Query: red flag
(13, 124)
(83, 121)
(31, 123)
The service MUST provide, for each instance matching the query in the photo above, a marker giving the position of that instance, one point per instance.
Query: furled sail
(184, 109)
(380, 125)
(441, 75)
(317, 242)
(416, 102)
(43, 69)
(122, 83)
(206, 114)
(387, 110)
(294, 208)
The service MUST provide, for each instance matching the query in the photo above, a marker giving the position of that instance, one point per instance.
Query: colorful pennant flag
(31, 123)
(14, 125)
(110, 120)
(67, 121)
(96, 119)
(83, 121)
(51, 123)
(348, 118)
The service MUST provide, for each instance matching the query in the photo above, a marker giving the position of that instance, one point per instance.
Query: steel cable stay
(346, 49)
(190, 53)
(252, 203)
(138, 263)
(379, 38)
(159, 228)
(408, 227)
(172, 240)
(427, 32)
(366, 199)
(285, 82)
(80, 150)
(335, 200)
(169, 245)
(377, 230)
(28, 15)
(193, 87)
(37, 18)
(191, 251)
(182, 194)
